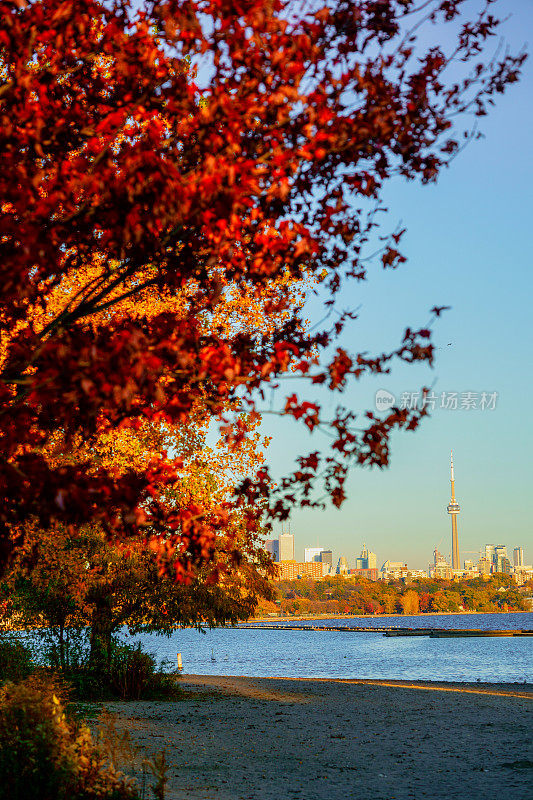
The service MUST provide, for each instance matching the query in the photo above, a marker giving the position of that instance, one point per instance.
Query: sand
(279, 739)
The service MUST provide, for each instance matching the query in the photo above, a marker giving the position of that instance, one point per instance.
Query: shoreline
(312, 617)
(497, 689)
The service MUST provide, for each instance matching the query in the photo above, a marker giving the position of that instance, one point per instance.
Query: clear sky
(468, 246)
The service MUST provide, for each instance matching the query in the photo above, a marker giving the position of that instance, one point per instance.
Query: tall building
(518, 557)
(326, 559)
(286, 547)
(489, 553)
(393, 570)
(484, 566)
(272, 547)
(440, 569)
(453, 509)
(342, 566)
(367, 559)
(496, 557)
(503, 565)
(312, 553)
(500, 551)
(290, 570)
(500, 559)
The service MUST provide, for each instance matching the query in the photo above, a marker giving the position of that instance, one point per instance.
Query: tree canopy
(81, 583)
(358, 595)
(172, 177)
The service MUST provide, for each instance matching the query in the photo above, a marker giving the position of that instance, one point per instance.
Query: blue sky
(468, 246)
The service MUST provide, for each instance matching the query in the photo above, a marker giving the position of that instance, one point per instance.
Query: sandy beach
(234, 738)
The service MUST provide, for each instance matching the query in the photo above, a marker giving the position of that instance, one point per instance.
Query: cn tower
(453, 509)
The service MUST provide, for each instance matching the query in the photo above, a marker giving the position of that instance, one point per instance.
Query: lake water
(257, 652)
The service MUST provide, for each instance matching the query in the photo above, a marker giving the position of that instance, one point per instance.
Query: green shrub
(87, 685)
(131, 671)
(15, 660)
(134, 675)
(44, 756)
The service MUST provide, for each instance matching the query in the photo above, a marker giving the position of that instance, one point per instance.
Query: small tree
(409, 602)
(82, 582)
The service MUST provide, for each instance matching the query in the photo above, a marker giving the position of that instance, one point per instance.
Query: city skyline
(491, 557)
(513, 549)
(456, 559)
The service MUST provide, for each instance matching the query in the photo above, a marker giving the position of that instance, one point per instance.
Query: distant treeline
(360, 596)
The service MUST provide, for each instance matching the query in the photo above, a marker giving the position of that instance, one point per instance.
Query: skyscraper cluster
(318, 561)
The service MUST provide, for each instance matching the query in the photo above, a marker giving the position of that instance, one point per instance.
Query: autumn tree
(157, 161)
(382, 597)
(81, 584)
(409, 602)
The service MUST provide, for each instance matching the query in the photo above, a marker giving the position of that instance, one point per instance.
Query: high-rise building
(312, 553)
(367, 559)
(500, 560)
(362, 561)
(453, 509)
(290, 570)
(326, 559)
(286, 547)
(272, 547)
(441, 568)
(502, 563)
(496, 555)
(484, 565)
(518, 557)
(393, 570)
(489, 553)
(342, 566)
(500, 550)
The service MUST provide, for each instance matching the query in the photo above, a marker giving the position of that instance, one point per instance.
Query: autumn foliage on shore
(174, 176)
(361, 596)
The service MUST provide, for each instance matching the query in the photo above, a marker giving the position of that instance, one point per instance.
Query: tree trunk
(62, 645)
(101, 631)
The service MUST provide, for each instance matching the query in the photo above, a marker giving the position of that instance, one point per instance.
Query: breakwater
(436, 633)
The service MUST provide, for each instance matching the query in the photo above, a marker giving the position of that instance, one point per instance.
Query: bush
(134, 674)
(44, 756)
(131, 671)
(15, 660)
